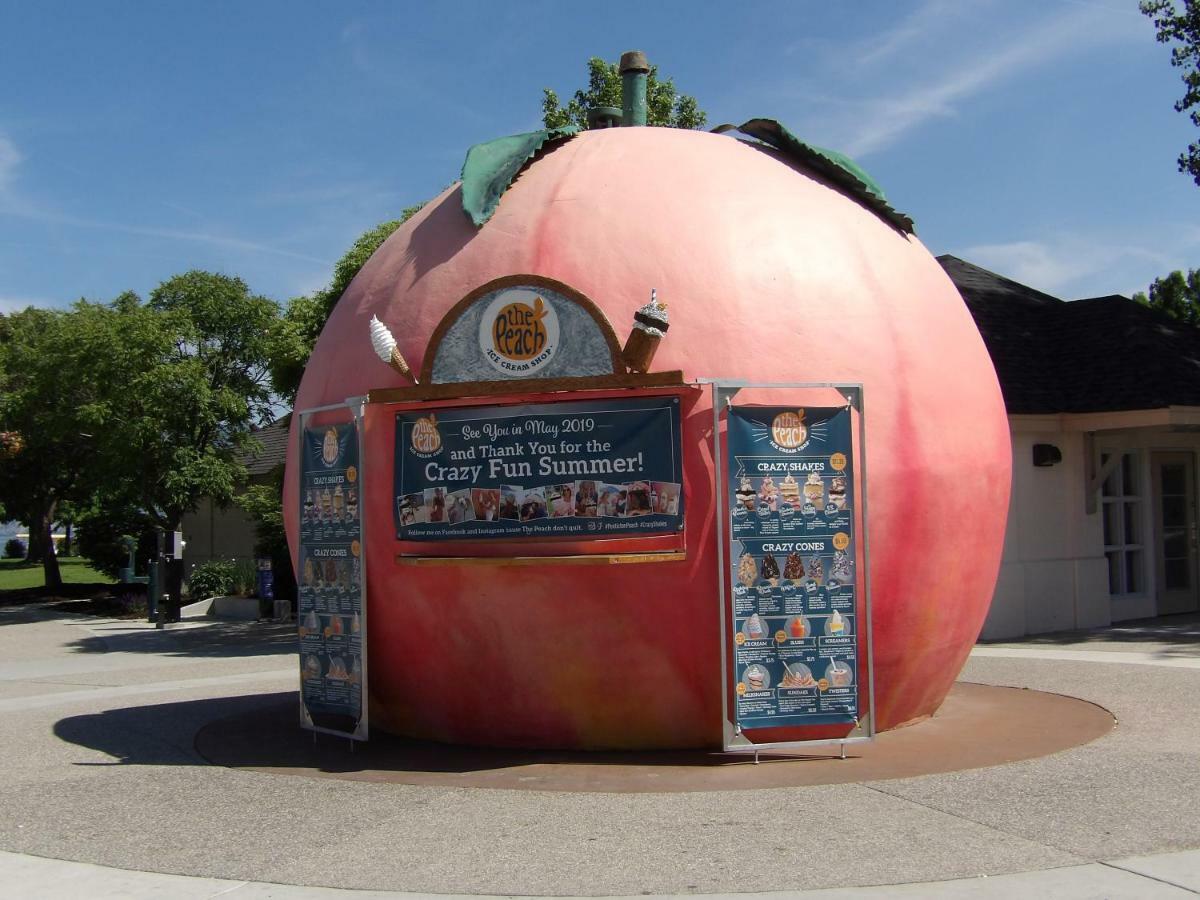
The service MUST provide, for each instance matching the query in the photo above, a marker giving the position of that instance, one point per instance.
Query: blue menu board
(330, 587)
(791, 567)
(583, 469)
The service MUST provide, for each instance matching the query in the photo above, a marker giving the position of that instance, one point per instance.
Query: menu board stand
(793, 567)
(331, 580)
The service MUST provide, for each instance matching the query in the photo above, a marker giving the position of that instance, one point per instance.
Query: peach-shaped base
(771, 276)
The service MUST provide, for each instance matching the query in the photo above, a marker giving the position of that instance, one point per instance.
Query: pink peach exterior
(771, 276)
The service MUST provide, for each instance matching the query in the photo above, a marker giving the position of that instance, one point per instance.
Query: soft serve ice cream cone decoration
(385, 348)
(650, 324)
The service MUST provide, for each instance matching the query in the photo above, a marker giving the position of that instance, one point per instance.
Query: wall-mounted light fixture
(1046, 455)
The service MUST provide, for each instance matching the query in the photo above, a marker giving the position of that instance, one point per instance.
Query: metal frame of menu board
(863, 729)
(356, 406)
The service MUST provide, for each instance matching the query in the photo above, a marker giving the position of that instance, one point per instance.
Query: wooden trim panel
(518, 387)
(579, 560)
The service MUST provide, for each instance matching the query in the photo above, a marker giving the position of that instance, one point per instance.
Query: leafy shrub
(215, 578)
(101, 539)
(14, 549)
(245, 578)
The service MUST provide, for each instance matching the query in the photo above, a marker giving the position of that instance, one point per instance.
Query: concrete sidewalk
(100, 768)
(1170, 875)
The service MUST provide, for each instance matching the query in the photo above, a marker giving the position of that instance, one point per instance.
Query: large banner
(330, 609)
(588, 469)
(791, 568)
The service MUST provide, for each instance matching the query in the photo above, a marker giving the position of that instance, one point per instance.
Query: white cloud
(1079, 265)
(26, 211)
(12, 204)
(912, 30)
(935, 60)
(1036, 264)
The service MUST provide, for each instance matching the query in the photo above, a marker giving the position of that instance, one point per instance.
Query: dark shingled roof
(1099, 355)
(273, 438)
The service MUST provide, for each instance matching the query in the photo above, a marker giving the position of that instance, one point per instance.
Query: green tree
(65, 380)
(664, 105)
(1180, 27)
(128, 413)
(192, 412)
(1176, 295)
(306, 316)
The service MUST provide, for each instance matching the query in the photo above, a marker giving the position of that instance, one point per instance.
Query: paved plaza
(106, 793)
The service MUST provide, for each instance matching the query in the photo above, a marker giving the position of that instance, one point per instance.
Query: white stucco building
(1103, 397)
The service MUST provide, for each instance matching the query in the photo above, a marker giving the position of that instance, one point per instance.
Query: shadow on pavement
(979, 725)
(68, 592)
(263, 732)
(159, 735)
(209, 640)
(1180, 634)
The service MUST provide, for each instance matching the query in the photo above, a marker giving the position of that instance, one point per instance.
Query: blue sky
(140, 139)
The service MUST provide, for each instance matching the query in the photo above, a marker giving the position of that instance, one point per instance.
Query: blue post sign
(792, 566)
(330, 590)
(585, 469)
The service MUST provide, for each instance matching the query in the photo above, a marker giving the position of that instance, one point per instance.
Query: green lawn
(15, 574)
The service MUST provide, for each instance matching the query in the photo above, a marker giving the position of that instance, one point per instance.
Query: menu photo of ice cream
(312, 666)
(797, 676)
(793, 568)
(747, 497)
(837, 492)
(769, 569)
(768, 495)
(755, 628)
(337, 669)
(798, 628)
(841, 569)
(310, 623)
(789, 493)
(814, 491)
(837, 625)
(839, 673)
(756, 678)
(747, 572)
(814, 570)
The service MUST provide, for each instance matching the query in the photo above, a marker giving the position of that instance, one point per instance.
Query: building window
(1121, 498)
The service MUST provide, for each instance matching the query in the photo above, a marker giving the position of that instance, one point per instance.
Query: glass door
(1175, 523)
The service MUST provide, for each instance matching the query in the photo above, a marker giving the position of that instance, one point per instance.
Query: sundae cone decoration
(650, 323)
(385, 348)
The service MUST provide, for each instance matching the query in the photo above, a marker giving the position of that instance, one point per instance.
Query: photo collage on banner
(792, 566)
(584, 469)
(330, 589)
